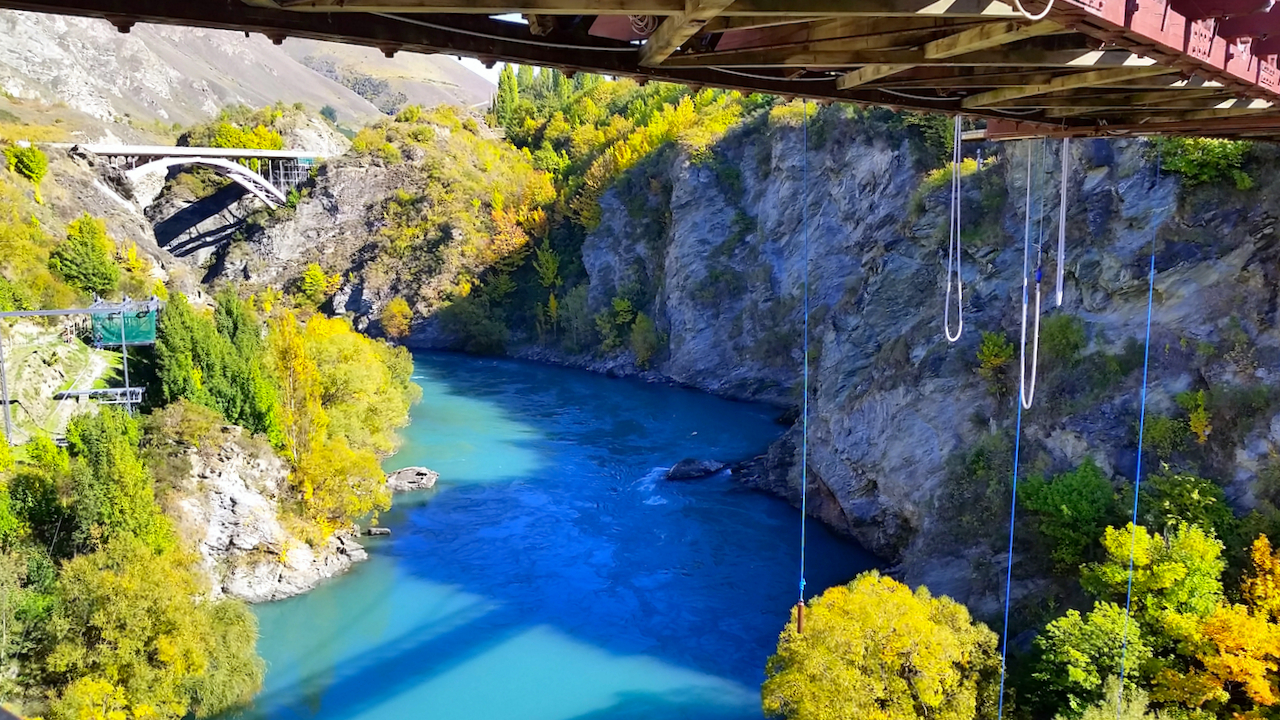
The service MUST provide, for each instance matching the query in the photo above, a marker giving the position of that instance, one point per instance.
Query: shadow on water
(556, 576)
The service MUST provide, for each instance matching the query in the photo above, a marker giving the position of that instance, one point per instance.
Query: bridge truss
(1084, 67)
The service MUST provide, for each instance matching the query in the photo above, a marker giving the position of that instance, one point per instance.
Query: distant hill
(185, 75)
(406, 79)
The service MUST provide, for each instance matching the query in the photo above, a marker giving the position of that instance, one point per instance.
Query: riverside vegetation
(105, 610)
(489, 242)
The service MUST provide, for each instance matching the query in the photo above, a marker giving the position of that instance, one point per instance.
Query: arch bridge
(268, 175)
(1067, 67)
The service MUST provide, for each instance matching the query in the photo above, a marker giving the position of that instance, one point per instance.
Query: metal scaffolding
(127, 396)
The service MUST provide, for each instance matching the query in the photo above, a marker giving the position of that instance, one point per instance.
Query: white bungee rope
(1027, 390)
(953, 244)
(1062, 217)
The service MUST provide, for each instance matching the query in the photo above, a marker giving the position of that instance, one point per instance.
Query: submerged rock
(689, 469)
(412, 478)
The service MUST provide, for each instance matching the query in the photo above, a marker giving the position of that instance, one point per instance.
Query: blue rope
(1137, 478)
(804, 413)
(1013, 512)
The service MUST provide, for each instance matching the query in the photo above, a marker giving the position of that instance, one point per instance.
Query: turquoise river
(554, 574)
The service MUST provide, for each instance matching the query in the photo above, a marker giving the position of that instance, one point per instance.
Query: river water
(553, 574)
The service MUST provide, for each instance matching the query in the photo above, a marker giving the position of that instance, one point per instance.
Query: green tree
(111, 485)
(132, 630)
(329, 113)
(1176, 578)
(1079, 653)
(1134, 707)
(547, 264)
(524, 79)
(1170, 499)
(317, 286)
(84, 259)
(875, 649)
(1071, 511)
(504, 103)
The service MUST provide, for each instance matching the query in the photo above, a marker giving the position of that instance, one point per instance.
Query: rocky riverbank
(226, 504)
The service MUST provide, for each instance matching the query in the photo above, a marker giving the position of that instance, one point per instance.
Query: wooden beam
(1066, 82)
(982, 37)
(993, 9)
(886, 55)
(870, 73)
(988, 36)
(677, 29)
(483, 7)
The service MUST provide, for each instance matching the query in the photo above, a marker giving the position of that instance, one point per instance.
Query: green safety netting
(139, 328)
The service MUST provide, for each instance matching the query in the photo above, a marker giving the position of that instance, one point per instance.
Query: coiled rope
(804, 410)
(1137, 476)
(1039, 16)
(1027, 391)
(953, 243)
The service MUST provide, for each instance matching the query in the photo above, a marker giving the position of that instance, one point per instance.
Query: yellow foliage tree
(302, 416)
(1261, 585)
(1238, 656)
(340, 484)
(396, 318)
(875, 650)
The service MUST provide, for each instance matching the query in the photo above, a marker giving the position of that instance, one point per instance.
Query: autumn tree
(1260, 587)
(396, 318)
(875, 649)
(303, 419)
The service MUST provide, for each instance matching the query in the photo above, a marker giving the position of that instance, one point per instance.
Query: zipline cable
(953, 244)
(1137, 476)
(1027, 393)
(1062, 218)
(804, 411)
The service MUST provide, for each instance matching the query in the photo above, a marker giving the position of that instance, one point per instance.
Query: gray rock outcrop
(228, 509)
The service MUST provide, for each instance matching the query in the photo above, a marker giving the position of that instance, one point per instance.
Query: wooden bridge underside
(1089, 67)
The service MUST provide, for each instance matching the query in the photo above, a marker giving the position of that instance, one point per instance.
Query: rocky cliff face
(227, 506)
(891, 401)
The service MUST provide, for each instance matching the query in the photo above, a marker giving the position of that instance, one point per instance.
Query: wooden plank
(988, 36)
(870, 73)
(677, 29)
(1066, 82)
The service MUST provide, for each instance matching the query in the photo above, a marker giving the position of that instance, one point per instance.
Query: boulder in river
(690, 469)
(412, 478)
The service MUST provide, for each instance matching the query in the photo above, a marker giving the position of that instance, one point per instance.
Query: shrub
(1062, 338)
(84, 259)
(29, 162)
(1204, 160)
(317, 286)
(328, 112)
(644, 339)
(994, 355)
(1165, 435)
(1197, 414)
(1072, 510)
(1170, 499)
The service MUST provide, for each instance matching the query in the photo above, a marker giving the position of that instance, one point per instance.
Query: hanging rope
(1013, 513)
(1137, 476)
(1027, 391)
(1062, 218)
(804, 410)
(953, 244)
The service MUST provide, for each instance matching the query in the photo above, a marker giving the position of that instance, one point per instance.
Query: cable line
(953, 243)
